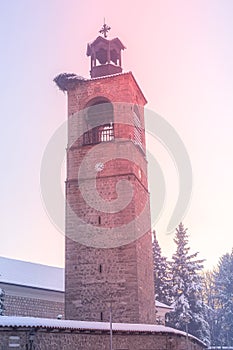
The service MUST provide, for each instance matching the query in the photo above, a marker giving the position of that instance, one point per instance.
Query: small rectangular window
(137, 130)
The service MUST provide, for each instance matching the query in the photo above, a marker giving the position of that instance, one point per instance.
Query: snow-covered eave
(168, 308)
(31, 286)
(53, 324)
(160, 305)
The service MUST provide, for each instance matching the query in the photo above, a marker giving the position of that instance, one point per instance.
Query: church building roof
(30, 274)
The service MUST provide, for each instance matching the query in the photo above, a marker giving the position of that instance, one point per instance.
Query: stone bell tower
(108, 236)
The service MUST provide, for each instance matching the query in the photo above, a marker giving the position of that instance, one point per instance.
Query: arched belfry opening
(99, 122)
(105, 56)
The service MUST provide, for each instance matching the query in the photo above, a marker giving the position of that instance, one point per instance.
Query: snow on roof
(16, 321)
(108, 76)
(31, 274)
(165, 306)
(221, 347)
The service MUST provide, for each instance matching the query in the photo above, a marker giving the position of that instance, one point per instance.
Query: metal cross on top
(105, 29)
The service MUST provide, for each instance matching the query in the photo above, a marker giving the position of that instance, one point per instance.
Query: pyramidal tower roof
(105, 54)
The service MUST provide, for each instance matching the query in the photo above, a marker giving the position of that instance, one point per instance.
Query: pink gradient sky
(181, 55)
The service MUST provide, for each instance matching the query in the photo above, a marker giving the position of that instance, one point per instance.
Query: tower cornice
(69, 81)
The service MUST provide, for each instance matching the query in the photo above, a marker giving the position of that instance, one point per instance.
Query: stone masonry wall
(24, 306)
(46, 339)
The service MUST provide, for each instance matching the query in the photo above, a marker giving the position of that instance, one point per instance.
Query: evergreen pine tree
(161, 278)
(223, 280)
(189, 310)
(210, 300)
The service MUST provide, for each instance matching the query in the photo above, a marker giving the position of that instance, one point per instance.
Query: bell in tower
(105, 55)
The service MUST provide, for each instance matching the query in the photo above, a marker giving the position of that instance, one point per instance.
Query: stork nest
(67, 81)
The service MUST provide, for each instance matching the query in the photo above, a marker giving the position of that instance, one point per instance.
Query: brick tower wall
(122, 275)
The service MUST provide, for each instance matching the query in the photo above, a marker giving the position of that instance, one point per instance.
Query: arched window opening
(100, 123)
